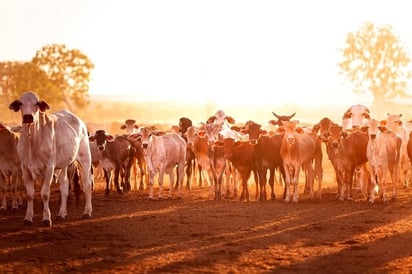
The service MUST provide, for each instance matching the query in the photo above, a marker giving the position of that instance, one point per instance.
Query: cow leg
(151, 182)
(288, 181)
(295, 183)
(180, 174)
(107, 177)
(45, 195)
(142, 175)
(200, 170)
(116, 179)
(3, 185)
(29, 184)
(64, 194)
(14, 190)
(160, 181)
(171, 180)
(262, 182)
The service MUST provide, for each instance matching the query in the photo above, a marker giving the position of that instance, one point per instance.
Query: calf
(197, 141)
(242, 155)
(138, 160)
(347, 151)
(162, 154)
(383, 153)
(117, 152)
(184, 124)
(216, 157)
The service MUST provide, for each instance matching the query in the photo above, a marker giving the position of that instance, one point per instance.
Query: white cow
(383, 154)
(49, 143)
(394, 123)
(162, 154)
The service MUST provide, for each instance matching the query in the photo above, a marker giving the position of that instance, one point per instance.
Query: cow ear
(299, 130)
(230, 119)
(383, 128)
(364, 129)
(123, 127)
(210, 120)
(109, 138)
(43, 106)
(201, 133)
(136, 126)
(344, 134)
(134, 137)
(92, 138)
(16, 105)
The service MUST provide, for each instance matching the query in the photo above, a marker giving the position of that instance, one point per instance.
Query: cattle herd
(365, 153)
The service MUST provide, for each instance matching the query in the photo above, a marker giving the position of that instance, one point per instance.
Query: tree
(375, 60)
(68, 70)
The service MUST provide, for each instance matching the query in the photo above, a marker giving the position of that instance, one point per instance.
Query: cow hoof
(27, 222)
(47, 223)
(86, 216)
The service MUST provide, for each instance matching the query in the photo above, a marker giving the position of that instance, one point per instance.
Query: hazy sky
(255, 52)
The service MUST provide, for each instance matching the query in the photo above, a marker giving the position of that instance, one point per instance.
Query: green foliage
(57, 74)
(375, 60)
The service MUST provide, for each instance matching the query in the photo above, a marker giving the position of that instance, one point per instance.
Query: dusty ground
(129, 234)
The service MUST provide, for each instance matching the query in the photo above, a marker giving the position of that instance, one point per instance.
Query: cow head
(130, 126)
(30, 106)
(394, 121)
(184, 123)
(254, 130)
(146, 134)
(190, 135)
(220, 117)
(281, 118)
(355, 116)
(212, 132)
(101, 138)
(336, 133)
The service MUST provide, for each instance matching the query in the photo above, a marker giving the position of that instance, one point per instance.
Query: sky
(226, 52)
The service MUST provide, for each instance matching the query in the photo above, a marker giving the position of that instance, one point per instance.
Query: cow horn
(277, 116)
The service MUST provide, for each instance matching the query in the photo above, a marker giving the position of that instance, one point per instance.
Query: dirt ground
(130, 234)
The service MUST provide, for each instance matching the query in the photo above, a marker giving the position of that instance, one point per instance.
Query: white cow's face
(30, 106)
(355, 116)
(212, 132)
(145, 133)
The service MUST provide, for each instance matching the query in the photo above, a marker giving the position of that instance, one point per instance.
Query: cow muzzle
(145, 145)
(101, 147)
(372, 136)
(27, 119)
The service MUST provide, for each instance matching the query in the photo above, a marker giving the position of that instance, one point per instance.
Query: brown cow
(297, 151)
(347, 151)
(198, 142)
(138, 161)
(242, 155)
(9, 168)
(267, 150)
